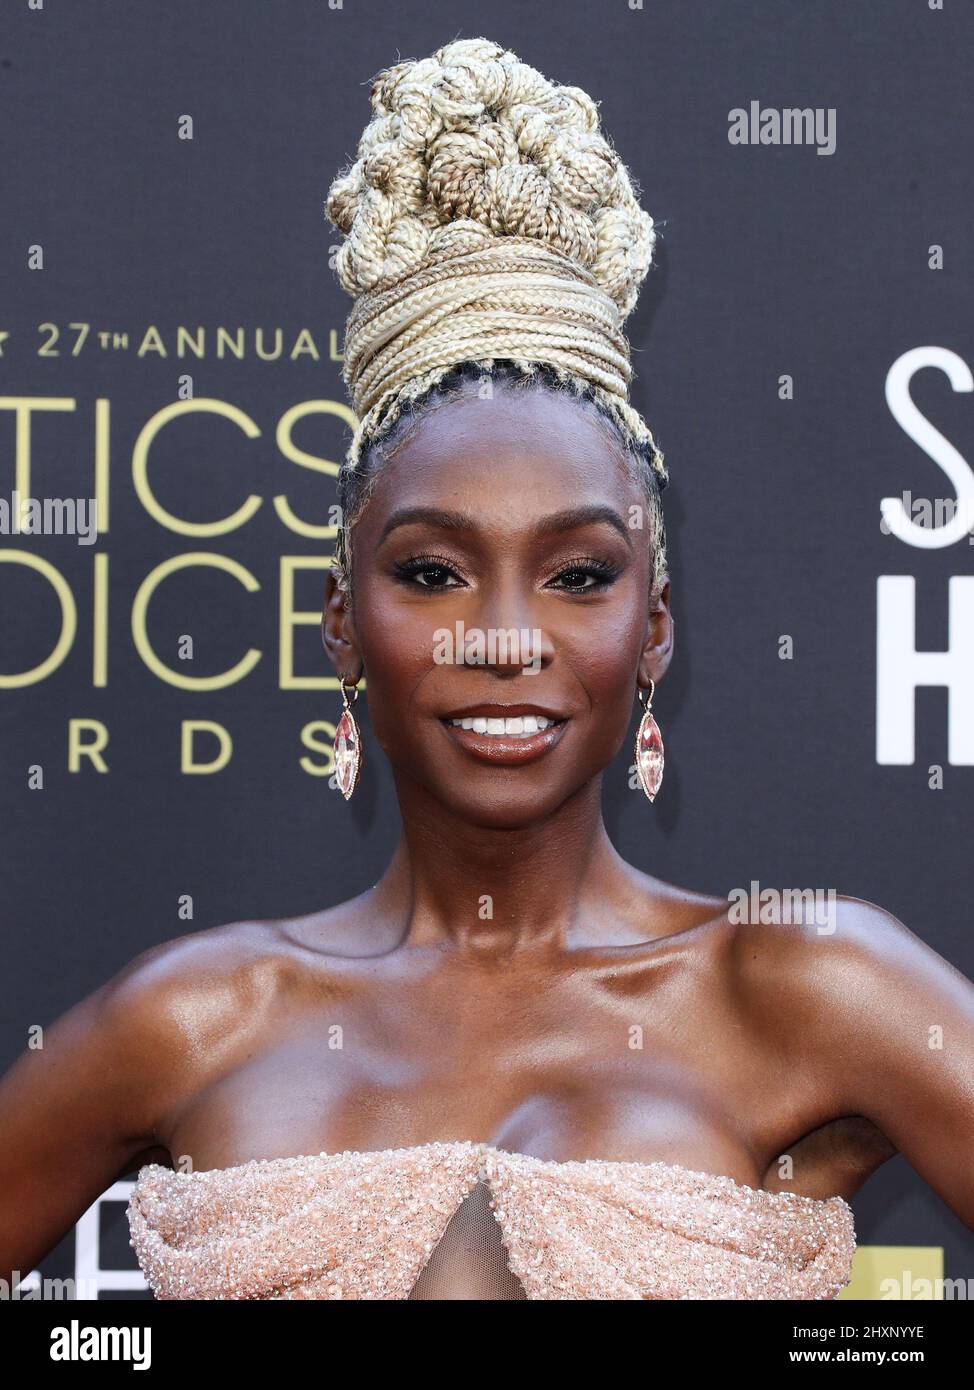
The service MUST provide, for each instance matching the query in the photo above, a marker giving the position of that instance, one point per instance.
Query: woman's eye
(433, 577)
(579, 579)
(432, 572)
(427, 573)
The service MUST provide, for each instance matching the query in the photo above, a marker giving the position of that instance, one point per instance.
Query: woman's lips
(506, 749)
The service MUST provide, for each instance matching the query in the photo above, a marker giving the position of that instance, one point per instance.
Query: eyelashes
(434, 573)
(409, 571)
(602, 573)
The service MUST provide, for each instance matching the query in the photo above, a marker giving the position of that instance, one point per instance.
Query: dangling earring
(649, 746)
(348, 745)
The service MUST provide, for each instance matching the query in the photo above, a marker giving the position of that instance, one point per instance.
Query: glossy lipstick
(506, 735)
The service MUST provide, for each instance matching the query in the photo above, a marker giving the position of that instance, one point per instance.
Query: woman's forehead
(517, 443)
(521, 414)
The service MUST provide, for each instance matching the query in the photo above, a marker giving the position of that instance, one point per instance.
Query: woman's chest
(562, 1073)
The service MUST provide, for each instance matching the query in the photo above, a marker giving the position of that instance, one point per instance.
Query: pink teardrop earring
(649, 746)
(348, 744)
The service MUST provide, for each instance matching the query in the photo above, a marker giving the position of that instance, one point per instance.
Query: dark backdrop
(773, 260)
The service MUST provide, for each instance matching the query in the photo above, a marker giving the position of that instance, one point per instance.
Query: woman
(516, 1067)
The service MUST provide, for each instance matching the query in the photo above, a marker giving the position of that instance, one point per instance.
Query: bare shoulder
(176, 1004)
(851, 990)
(169, 982)
(202, 981)
(881, 982)
(193, 987)
(831, 942)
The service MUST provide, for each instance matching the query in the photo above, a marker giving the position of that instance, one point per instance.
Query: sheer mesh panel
(470, 1261)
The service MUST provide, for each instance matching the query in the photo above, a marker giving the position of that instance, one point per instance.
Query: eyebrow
(570, 519)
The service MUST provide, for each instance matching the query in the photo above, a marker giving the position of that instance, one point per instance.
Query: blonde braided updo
(489, 226)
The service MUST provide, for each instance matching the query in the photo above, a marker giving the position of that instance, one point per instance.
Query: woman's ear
(338, 635)
(658, 648)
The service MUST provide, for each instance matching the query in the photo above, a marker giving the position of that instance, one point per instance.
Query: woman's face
(508, 529)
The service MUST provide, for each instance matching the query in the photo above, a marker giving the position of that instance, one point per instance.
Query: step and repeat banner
(170, 368)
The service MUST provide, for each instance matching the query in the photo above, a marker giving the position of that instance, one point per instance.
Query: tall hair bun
(471, 145)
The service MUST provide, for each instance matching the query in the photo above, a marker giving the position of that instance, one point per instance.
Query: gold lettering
(140, 468)
(140, 632)
(69, 619)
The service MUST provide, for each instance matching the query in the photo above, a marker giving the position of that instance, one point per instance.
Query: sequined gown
(469, 1221)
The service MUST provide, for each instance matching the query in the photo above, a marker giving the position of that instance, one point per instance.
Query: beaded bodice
(467, 1220)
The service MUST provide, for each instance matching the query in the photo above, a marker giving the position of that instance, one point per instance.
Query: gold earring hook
(646, 697)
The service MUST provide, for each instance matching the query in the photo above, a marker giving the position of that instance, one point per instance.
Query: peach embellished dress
(466, 1220)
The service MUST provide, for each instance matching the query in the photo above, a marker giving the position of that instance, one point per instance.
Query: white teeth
(521, 726)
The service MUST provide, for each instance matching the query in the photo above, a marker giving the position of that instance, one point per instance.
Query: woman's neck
(548, 886)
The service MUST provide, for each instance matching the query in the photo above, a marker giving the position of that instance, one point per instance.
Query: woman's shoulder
(185, 996)
(770, 935)
(188, 1007)
(756, 913)
(215, 970)
(810, 937)
(814, 926)
(844, 973)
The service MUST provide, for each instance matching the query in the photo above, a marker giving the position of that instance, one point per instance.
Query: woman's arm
(76, 1112)
(892, 1024)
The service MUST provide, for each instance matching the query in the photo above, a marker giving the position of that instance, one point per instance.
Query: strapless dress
(466, 1220)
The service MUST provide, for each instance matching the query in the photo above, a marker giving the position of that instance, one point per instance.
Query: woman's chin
(499, 814)
(502, 799)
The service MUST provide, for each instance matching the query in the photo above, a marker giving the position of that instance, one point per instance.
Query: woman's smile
(505, 735)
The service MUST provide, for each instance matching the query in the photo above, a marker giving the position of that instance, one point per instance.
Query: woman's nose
(509, 641)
